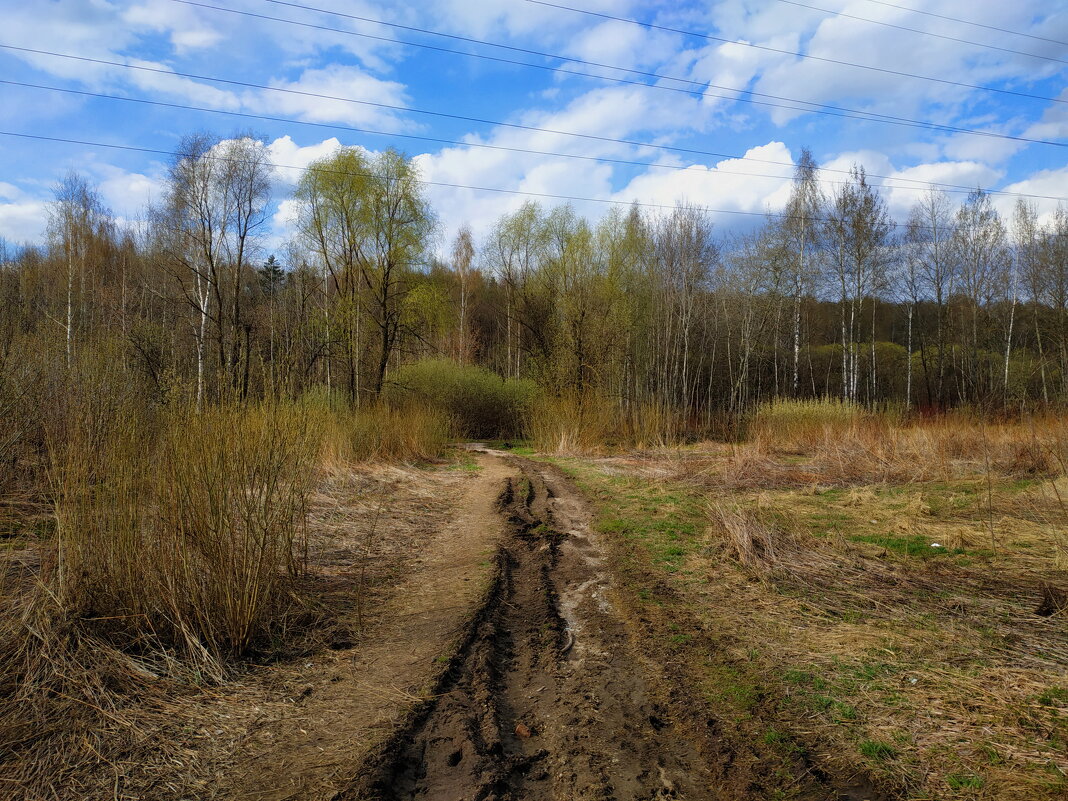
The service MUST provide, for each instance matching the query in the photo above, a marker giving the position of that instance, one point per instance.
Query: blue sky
(174, 37)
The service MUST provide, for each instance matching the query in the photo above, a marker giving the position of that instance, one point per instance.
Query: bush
(402, 433)
(478, 402)
(189, 532)
(572, 423)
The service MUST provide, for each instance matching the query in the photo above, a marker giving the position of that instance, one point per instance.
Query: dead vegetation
(876, 592)
(160, 549)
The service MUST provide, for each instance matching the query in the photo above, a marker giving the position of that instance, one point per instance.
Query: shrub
(572, 423)
(478, 402)
(804, 424)
(409, 432)
(191, 532)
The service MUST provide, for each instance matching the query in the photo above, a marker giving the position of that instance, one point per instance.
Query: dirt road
(547, 698)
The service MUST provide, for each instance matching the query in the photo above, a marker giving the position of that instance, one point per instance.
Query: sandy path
(316, 749)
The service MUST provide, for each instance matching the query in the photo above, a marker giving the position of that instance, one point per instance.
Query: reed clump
(383, 431)
(572, 424)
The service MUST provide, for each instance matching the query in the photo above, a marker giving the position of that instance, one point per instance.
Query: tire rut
(546, 699)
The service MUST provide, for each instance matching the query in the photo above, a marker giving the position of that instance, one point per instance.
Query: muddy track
(545, 699)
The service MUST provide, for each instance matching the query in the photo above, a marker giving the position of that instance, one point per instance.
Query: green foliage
(479, 403)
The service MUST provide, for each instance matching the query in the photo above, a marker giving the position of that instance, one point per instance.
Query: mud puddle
(546, 700)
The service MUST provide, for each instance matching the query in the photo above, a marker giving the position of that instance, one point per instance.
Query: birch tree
(800, 229)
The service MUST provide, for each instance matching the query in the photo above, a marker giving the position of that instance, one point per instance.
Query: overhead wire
(810, 56)
(920, 31)
(425, 182)
(922, 185)
(701, 91)
(966, 22)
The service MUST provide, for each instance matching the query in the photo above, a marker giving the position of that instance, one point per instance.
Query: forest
(776, 492)
(642, 309)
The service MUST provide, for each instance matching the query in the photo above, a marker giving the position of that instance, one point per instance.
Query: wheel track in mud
(545, 699)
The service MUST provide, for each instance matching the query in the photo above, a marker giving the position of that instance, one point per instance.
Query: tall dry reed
(408, 433)
(191, 530)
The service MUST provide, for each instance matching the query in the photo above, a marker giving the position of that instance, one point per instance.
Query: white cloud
(290, 159)
(23, 221)
(495, 17)
(157, 78)
(127, 194)
(991, 150)
(728, 185)
(285, 218)
(840, 39)
(9, 191)
(184, 25)
(612, 113)
(1050, 183)
(966, 174)
(623, 45)
(1054, 122)
(336, 81)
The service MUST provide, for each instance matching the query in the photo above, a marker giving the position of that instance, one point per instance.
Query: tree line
(647, 309)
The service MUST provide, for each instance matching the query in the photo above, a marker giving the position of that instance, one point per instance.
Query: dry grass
(90, 713)
(799, 425)
(177, 542)
(892, 596)
(191, 532)
(747, 539)
(571, 424)
(384, 432)
(846, 447)
(587, 424)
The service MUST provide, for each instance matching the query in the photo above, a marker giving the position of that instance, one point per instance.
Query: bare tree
(800, 229)
(463, 252)
(78, 220)
(928, 236)
(215, 206)
(856, 231)
(980, 248)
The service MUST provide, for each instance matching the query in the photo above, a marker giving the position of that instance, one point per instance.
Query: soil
(548, 699)
(493, 656)
(311, 736)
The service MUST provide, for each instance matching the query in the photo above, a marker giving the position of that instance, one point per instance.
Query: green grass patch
(667, 522)
(876, 749)
(465, 460)
(908, 546)
(1054, 696)
(732, 688)
(964, 781)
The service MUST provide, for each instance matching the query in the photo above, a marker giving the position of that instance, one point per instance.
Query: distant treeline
(648, 310)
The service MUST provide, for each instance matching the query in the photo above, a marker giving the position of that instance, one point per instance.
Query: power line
(747, 96)
(544, 195)
(824, 59)
(921, 31)
(592, 137)
(966, 22)
(923, 185)
(424, 182)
